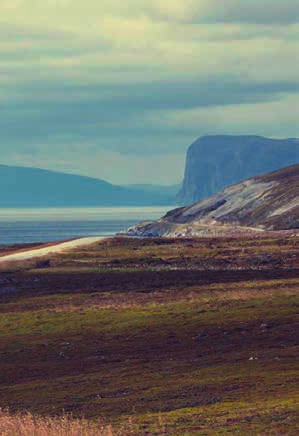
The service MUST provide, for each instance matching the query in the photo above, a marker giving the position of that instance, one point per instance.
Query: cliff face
(214, 162)
(268, 202)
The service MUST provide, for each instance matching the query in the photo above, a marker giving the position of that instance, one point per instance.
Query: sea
(55, 224)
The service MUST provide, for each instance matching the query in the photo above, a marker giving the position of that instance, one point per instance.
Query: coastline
(51, 249)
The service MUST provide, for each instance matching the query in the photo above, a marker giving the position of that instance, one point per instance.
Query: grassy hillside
(178, 337)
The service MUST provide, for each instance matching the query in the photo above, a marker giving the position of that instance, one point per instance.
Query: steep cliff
(214, 162)
(268, 202)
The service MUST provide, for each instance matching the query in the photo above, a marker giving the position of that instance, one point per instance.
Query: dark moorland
(157, 336)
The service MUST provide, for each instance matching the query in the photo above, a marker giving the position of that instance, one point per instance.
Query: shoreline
(50, 248)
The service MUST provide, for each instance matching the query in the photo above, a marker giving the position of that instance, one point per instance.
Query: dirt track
(45, 251)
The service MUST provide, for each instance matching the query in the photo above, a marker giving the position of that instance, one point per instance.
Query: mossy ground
(157, 336)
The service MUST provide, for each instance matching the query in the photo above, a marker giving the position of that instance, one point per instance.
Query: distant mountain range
(268, 202)
(33, 187)
(214, 162)
(170, 190)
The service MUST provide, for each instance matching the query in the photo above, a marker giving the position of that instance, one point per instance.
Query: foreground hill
(214, 162)
(268, 202)
(155, 336)
(33, 187)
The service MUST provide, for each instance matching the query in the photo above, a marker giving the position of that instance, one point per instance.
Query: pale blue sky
(118, 90)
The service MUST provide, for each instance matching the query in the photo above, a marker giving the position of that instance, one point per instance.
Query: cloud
(113, 167)
(96, 114)
(277, 118)
(228, 11)
(137, 81)
(255, 11)
(86, 17)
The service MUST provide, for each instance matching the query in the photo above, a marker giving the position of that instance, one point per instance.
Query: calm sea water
(43, 225)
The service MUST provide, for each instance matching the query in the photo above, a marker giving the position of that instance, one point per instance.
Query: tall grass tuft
(30, 425)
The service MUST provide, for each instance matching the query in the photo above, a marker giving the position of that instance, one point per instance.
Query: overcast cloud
(118, 90)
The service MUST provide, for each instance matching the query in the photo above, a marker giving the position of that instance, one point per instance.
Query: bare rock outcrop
(268, 202)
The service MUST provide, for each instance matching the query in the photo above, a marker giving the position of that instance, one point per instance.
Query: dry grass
(29, 425)
(187, 348)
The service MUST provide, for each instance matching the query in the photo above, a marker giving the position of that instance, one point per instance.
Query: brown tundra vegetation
(152, 336)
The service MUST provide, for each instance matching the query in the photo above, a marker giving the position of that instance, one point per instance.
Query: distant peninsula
(33, 187)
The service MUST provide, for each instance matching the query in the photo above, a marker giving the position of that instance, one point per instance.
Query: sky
(118, 89)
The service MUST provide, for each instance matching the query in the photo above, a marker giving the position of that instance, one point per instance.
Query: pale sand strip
(40, 252)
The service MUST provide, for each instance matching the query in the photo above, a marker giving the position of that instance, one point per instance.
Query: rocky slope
(268, 202)
(214, 162)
